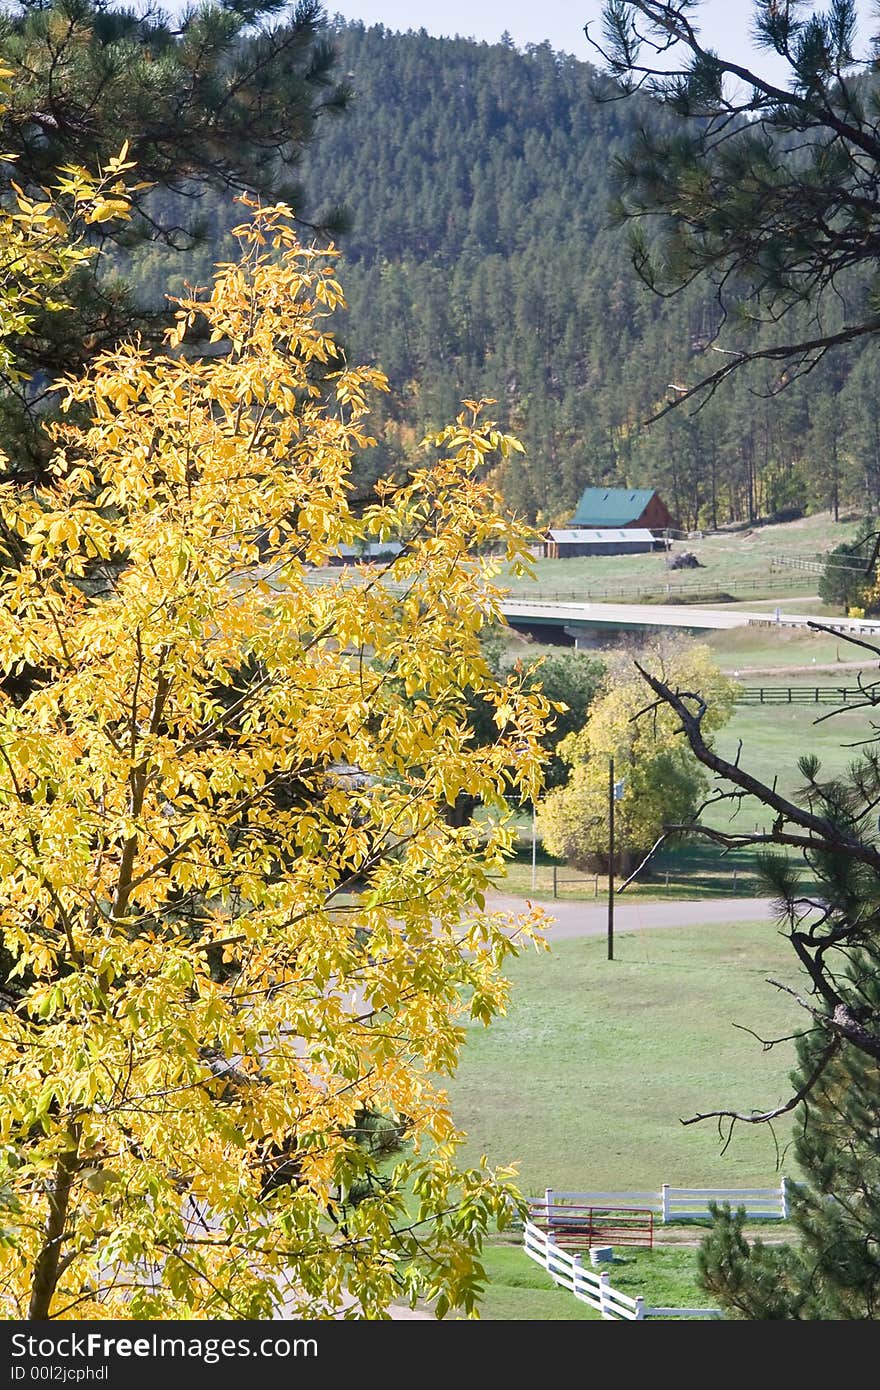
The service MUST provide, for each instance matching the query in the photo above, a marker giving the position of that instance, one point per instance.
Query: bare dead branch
(823, 832)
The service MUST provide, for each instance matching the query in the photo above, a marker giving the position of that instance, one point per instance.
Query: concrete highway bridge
(583, 623)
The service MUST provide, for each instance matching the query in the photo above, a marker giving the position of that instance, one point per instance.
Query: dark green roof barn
(619, 506)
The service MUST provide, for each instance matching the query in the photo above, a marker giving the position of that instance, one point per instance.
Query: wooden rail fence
(695, 590)
(798, 562)
(800, 695)
(682, 1203)
(562, 877)
(567, 1270)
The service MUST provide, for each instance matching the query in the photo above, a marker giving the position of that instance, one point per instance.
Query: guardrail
(865, 626)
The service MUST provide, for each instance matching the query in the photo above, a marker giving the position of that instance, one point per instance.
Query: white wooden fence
(685, 1203)
(566, 1270)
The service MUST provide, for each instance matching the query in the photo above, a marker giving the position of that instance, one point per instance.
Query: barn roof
(605, 536)
(611, 506)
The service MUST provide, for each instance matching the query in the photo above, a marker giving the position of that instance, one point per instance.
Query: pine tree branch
(765, 1116)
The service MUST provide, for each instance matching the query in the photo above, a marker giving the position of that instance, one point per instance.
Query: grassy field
(520, 1290)
(693, 869)
(771, 737)
(586, 1080)
(739, 563)
(774, 738)
(749, 651)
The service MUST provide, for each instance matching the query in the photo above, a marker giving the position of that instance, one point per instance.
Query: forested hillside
(480, 260)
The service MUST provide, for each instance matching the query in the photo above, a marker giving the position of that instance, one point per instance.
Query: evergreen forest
(473, 186)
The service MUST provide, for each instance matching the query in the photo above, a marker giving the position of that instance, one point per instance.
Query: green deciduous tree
(568, 679)
(849, 570)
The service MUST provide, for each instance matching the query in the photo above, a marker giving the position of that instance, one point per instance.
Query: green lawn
(520, 1290)
(805, 601)
(586, 1080)
(685, 870)
(756, 649)
(738, 563)
(774, 738)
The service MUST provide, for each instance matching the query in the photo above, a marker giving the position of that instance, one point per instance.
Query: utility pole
(611, 859)
(534, 847)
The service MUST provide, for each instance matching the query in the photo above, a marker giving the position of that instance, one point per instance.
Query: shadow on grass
(689, 869)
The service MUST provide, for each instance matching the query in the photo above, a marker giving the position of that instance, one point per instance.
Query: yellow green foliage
(662, 781)
(240, 918)
(43, 238)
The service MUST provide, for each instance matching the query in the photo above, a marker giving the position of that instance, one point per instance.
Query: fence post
(578, 1263)
(604, 1281)
(549, 1262)
(664, 1202)
(734, 880)
(640, 1308)
(554, 880)
(596, 886)
(783, 1197)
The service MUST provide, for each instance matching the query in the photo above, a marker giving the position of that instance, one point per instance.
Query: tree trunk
(46, 1267)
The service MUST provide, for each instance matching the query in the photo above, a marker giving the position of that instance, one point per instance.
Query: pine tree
(765, 190)
(223, 97)
(833, 1269)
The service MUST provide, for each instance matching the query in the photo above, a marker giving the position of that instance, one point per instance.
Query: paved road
(591, 919)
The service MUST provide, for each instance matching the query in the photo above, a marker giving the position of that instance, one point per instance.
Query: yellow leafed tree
(240, 928)
(659, 781)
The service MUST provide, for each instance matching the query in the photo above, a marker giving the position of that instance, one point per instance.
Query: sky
(725, 23)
